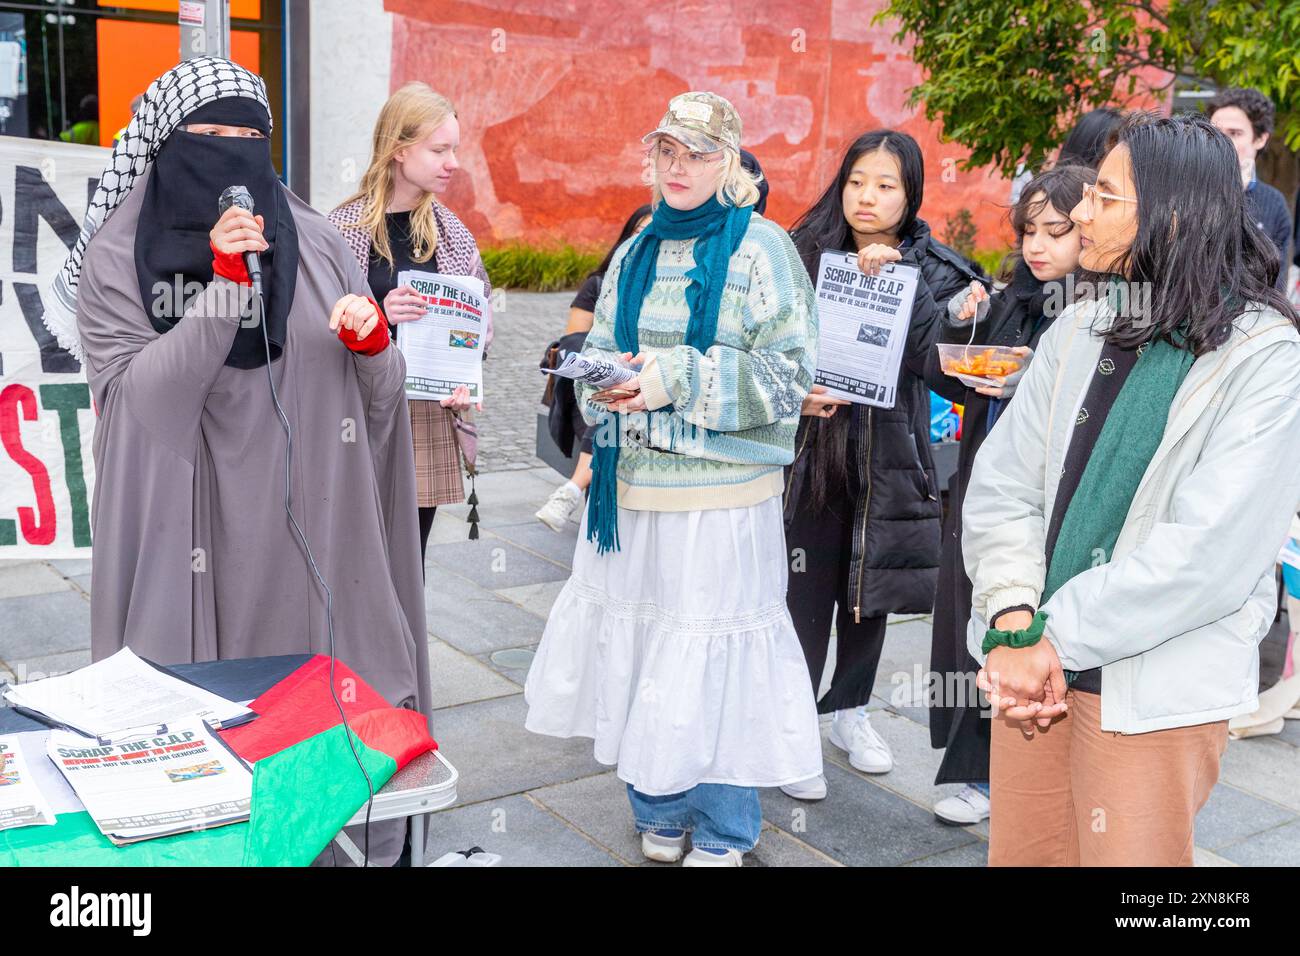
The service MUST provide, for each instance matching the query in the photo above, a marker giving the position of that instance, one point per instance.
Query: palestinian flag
(306, 783)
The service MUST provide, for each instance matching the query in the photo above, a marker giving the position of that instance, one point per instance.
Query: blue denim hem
(724, 846)
(642, 827)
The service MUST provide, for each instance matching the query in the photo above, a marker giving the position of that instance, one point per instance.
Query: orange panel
(133, 54)
(239, 9)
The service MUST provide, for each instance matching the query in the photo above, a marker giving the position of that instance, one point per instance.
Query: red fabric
(300, 706)
(372, 344)
(400, 733)
(230, 265)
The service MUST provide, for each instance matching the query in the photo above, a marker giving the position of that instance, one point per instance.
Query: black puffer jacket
(896, 518)
(1015, 317)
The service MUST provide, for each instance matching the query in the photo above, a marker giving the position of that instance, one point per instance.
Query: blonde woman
(394, 222)
(671, 644)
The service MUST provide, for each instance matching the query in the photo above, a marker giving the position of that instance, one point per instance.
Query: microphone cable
(302, 538)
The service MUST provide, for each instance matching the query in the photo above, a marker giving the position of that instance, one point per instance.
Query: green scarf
(1128, 441)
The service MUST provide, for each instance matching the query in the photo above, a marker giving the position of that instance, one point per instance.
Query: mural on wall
(554, 97)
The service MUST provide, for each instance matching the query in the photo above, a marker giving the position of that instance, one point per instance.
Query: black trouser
(822, 545)
(426, 525)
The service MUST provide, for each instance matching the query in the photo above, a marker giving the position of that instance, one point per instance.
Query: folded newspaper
(121, 693)
(181, 778)
(21, 802)
(597, 372)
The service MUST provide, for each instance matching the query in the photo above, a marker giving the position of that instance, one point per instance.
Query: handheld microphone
(240, 196)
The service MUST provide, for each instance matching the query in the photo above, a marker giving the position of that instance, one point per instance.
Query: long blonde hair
(407, 118)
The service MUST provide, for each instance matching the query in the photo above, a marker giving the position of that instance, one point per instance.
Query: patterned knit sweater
(721, 424)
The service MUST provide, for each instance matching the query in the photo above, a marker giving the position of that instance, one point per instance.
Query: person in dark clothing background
(1246, 117)
(862, 502)
(1046, 251)
(1086, 143)
(565, 421)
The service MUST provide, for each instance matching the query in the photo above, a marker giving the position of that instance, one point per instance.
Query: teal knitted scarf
(1128, 441)
(718, 230)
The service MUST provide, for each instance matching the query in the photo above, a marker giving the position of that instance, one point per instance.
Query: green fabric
(74, 840)
(1128, 441)
(1026, 637)
(302, 796)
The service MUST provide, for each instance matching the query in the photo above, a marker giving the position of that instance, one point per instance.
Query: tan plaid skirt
(438, 471)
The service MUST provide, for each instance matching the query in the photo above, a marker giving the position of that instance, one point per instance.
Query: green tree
(1007, 79)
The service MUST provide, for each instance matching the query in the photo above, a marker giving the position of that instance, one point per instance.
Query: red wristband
(372, 344)
(230, 265)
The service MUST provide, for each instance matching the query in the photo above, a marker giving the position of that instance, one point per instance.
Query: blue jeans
(722, 817)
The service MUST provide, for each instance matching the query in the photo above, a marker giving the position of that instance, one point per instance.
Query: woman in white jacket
(1124, 516)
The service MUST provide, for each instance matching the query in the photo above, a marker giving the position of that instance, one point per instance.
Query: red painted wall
(554, 97)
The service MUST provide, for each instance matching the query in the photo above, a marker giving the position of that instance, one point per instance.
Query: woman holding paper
(671, 644)
(862, 501)
(395, 223)
(1125, 514)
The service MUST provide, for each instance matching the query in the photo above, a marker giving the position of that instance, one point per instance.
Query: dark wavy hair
(1200, 254)
(821, 228)
(1258, 108)
(1062, 187)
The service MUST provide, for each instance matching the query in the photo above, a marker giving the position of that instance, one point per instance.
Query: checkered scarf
(166, 103)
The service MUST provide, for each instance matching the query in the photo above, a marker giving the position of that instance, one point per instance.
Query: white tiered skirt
(677, 654)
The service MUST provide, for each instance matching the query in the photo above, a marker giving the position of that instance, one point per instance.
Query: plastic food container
(975, 365)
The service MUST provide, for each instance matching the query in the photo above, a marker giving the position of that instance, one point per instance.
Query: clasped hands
(1026, 684)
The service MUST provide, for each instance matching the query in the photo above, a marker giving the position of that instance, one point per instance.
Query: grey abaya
(194, 556)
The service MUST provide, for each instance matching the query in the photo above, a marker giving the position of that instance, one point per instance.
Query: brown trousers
(1075, 795)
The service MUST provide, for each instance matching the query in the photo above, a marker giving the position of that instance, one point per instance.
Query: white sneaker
(964, 808)
(851, 730)
(814, 788)
(662, 849)
(559, 507)
(698, 857)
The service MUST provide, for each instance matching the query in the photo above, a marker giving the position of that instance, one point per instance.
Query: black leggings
(426, 525)
(819, 592)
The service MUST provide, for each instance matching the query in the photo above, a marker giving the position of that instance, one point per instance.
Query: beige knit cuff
(653, 388)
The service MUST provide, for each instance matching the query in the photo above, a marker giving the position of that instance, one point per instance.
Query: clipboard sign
(863, 321)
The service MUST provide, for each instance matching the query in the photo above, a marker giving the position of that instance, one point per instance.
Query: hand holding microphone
(239, 232)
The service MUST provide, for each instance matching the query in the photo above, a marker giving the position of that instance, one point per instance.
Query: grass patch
(539, 268)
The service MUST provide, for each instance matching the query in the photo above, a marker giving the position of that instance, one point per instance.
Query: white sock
(573, 490)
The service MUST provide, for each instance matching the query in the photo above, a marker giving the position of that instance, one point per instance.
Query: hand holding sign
(404, 304)
(871, 258)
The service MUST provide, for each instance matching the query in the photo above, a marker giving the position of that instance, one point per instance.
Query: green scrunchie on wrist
(1026, 637)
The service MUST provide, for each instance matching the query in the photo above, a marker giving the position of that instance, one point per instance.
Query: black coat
(1015, 317)
(565, 419)
(896, 518)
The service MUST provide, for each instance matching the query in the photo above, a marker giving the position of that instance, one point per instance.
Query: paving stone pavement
(523, 324)
(541, 801)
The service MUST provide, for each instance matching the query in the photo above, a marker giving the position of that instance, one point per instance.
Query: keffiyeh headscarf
(166, 103)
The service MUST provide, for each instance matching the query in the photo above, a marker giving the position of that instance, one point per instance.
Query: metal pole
(205, 28)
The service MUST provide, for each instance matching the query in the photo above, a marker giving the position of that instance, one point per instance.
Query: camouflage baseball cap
(703, 122)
